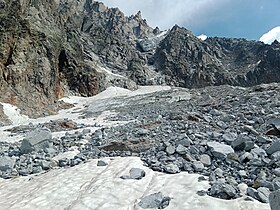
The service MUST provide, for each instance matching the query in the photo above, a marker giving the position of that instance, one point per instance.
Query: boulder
(156, 201)
(7, 163)
(36, 140)
(263, 194)
(223, 190)
(136, 173)
(180, 149)
(198, 166)
(170, 149)
(275, 123)
(219, 150)
(101, 163)
(274, 200)
(172, 168)
(239, 144)
(275, 147)
(205, 159)
(229, 137)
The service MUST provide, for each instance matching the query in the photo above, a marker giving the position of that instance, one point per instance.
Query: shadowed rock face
(57, 47)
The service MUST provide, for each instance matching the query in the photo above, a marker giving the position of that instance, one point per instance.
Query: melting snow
(87, 186)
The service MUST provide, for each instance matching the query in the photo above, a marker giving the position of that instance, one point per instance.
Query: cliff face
(59, 47)
(48, 48)
(32, 40)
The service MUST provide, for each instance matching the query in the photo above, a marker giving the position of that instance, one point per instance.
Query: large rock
(136, 173)
(274, 200)
(172, 168)
(205, 159)
(220, 150)
(222, 190)
(36, 140)
(275, 123)
(154, 201)
(275, 147)
(263, 194)
(7, 163)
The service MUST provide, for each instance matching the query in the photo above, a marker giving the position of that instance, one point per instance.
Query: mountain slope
(57, 48)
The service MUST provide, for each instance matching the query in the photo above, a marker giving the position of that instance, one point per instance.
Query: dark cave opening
(62, 61)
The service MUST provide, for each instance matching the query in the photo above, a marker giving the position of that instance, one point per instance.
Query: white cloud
(273, 34)
(166, 13)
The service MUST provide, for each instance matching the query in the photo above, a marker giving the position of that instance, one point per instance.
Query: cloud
(273, 34)
(166, 13)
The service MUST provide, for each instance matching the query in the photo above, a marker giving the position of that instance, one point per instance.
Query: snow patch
(13, 113)
(202, 37)
(88, 186)
(271, 36)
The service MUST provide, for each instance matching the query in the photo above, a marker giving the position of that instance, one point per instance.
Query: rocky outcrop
(190, 62)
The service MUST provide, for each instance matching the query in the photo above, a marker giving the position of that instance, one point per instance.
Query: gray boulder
(136, 173)
(275, 147)
(36, 140)
(181, 149)
(274, 200)
(205, 159)
(239, 144)
(198, 166)
(252, 192)
(223, 190)
(170, 150)
(7, 163)
(229, 137)
(101, 163)
(263, 194)
(219, 150)
(172, 168)
(275, 123)
(185, 141)
(156, 200)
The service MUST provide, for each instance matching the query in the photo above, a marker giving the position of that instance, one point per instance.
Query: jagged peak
(177, 28)
(275, 43)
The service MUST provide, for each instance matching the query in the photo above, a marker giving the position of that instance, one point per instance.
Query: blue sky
(224, 18)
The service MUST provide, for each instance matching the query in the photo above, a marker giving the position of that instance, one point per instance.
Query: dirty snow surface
(88, 186)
